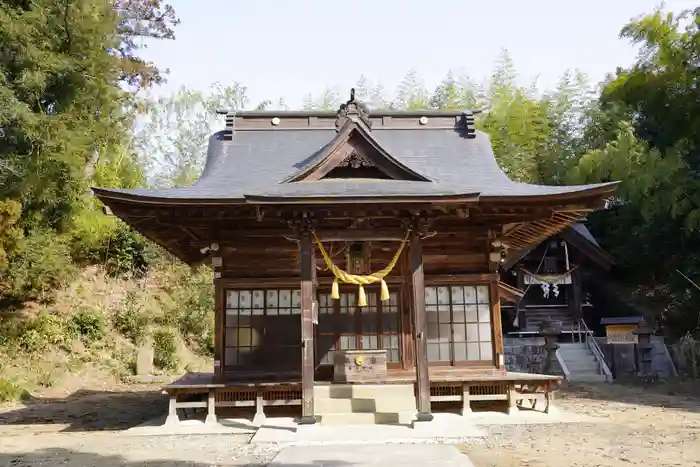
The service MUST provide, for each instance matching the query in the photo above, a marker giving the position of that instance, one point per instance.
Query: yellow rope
(360, 280)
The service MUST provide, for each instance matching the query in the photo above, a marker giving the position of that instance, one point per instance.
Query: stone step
(582, 368)
(363, 391)
(355, 405)
(575, 354)
(369, 402)
(403, 418)
(587, 378)
(573, 347)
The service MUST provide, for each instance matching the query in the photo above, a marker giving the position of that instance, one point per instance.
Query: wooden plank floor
(437, 375)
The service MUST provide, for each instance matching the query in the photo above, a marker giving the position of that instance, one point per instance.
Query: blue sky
(289, 48)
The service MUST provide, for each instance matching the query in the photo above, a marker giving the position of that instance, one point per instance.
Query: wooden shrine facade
(550, 276)
(280, 189)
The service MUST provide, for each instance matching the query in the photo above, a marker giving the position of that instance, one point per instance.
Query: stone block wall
(624, 358)
(524, 354)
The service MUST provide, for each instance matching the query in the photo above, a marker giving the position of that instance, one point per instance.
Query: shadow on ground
(70, 458)
(682, 395)
(86, 410)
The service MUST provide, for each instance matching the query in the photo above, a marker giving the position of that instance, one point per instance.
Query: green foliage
(10, 235)
(644, 133)
(41, 266)
(184, 123)
(131, 319)
(165, 349)
(113, 244)
(10, 391)
(190, 305)
(89, 325)
(37, 334)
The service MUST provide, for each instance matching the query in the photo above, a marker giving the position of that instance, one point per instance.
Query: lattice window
(459, 323)
(256, 315)
(345, 326)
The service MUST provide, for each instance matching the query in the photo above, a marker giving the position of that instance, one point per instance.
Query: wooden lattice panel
(445, 390)
(488, 389)
(235, 395)
(285, 394)
(248, 397)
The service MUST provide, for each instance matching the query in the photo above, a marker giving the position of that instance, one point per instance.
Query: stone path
(404, 455)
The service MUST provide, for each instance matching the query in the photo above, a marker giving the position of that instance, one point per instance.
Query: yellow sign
(621, 334)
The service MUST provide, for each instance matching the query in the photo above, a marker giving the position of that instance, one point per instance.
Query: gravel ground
(658, 426)
(654, 427)
(102, 450)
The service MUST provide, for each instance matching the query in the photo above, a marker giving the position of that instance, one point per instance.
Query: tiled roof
(255, 163)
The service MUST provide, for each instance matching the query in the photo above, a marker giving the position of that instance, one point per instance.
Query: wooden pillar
(420, 328)
(496, 325)
(520, 305)
(219, 319)
(575, 299)
(408, 359)
(307, 329)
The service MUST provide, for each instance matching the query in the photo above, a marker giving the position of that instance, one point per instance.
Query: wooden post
(497, 328)
(307, 329)
(211, 407)
(575, 304)
(520, 305)
(420, 328)
(219, 326)
(259, 417)
(407, 343)
(172, 418)
(466, 399)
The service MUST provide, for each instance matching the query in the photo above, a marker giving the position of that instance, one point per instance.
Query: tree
(411, 93)
(10, 235)
(454, 93)
(516, 121)
(328, 100)
(62, 104)
(139, 20)
(173, 134)
(373, 94)
(644, 133)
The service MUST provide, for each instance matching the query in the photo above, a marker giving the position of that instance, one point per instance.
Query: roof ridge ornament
(354, 111)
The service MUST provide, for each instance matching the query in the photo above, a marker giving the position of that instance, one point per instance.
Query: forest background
(81, 289)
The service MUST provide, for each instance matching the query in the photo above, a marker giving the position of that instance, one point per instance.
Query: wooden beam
(496, 323)
(420, 328)
(307, 329)
(219, 317)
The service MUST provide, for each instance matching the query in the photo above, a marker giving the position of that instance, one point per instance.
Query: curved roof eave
(568, 193)
(153, 197)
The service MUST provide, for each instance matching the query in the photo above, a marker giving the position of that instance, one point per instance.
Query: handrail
(562, 364)
(597, 352)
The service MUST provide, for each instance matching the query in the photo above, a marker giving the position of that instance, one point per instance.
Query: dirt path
(655, 427)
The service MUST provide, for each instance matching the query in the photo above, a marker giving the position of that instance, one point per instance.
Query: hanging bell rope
(360, 280)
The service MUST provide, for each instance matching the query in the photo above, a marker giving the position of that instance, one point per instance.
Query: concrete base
(447, 428)
(365, 404)
(259, 419)
(428, 455)
(160, 426)
(444, 428)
